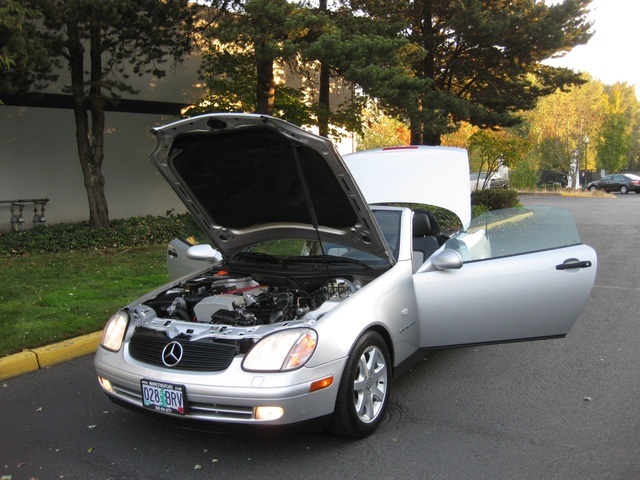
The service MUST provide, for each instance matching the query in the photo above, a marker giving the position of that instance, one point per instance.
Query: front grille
(202, 355)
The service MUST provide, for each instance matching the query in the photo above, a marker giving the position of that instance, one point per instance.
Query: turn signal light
(320, 384)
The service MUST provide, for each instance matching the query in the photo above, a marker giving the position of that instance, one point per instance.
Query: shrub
(495, 199)
(524, 176)
(136, 231)
(477, 210)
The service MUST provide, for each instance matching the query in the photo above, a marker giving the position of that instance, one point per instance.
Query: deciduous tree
(614, 144)
(489, 149)
(103, 43)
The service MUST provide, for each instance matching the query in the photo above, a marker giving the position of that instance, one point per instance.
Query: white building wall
(39, 159)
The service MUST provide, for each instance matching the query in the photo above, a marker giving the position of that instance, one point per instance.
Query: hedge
(495, 199)
(132, 232)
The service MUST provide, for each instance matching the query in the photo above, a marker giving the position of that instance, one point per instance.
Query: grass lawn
(51, 297)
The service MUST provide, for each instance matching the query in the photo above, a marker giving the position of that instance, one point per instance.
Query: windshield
(287, 250)
(290, 251)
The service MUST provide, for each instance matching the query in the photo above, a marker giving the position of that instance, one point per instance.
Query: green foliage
(524, 176)
(495, 199)
(430, 63)
(63, 237)
(555, 153)
(477, 210)
(623, 102)
(489, 149)
(480, 60)
(23, 57)
(126, 38)
(608, 116)
(614, 144)
(230, 74)
(242, 50)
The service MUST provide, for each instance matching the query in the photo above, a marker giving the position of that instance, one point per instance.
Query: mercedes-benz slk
(323, 278)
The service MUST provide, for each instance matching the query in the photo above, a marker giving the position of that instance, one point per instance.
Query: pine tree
(481, 59)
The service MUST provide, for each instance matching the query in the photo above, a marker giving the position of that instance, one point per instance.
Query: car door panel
(504, 299)
(525, 276)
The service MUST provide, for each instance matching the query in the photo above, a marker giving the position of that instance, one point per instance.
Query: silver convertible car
(318, 289)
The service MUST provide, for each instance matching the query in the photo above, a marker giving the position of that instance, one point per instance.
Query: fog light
(268, 413)
(106, 384)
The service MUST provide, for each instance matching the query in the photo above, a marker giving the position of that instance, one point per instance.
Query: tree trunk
(323, 93)
(89, 140)
(421, 132)
(416, 131)
(266, 84)
(431, 138)
(323, 100)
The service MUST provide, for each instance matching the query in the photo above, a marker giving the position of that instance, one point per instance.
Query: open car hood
(251, 178)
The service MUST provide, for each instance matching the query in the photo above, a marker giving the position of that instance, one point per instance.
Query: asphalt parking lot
(558, 409)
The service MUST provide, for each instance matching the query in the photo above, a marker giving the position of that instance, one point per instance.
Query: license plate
(163, 397)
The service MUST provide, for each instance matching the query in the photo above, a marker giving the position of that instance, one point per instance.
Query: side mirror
(445, 260)
(204, 252)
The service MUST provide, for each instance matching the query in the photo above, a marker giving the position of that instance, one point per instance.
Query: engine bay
(221, 298)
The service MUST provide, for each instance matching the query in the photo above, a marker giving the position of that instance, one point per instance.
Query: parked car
(478, 181)
(623, 183)
(315, 293)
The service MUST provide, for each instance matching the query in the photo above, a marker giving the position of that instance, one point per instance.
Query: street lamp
(586, 149)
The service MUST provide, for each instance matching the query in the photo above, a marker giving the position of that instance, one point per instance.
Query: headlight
(114, 330)
(281, 351)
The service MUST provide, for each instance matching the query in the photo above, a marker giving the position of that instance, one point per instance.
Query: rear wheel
(624, 189)
(364, 389)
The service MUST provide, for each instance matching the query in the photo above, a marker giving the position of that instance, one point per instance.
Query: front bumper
(230, 396)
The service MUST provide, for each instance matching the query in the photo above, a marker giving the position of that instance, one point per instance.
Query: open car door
(525, 275)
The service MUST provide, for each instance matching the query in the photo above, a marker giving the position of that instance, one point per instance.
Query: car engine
(241, 301)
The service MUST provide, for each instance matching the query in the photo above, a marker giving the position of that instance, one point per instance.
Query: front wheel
(624, 189)
(364, 389)
(593, 188)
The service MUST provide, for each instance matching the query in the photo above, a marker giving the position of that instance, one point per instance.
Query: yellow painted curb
(18, 364)
(43, 357)
(67, 349)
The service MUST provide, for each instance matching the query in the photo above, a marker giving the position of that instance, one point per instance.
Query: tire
(593, 188)
(624, 189)
(364, 389)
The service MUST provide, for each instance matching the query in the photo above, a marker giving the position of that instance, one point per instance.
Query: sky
(612, 53)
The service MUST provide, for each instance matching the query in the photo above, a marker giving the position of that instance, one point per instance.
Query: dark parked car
(552, 179)
(623, 183)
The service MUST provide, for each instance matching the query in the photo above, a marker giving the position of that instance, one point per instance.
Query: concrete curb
(43, 357)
